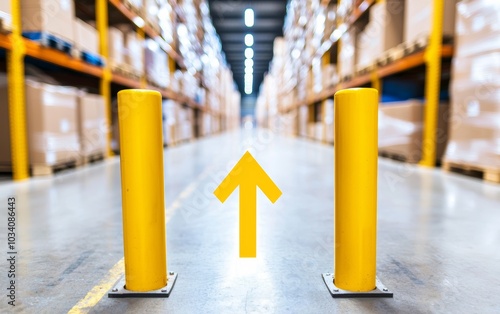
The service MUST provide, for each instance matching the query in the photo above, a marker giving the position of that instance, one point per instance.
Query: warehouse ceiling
(228, 19)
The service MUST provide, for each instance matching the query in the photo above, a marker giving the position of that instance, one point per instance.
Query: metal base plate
(119, 290)
(380, 290)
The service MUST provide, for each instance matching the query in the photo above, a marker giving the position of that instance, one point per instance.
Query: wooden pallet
(485, 173)
(154, 84)
(346, 78)
(398, 157)
(125, 70)
(366, 70)
(129, 5)
(90, 58)
(92, 158)
(45, 170)
(51, 41)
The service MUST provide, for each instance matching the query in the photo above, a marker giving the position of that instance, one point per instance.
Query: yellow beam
(356, 136)
(105, 84)
(432, 85)
(17, 105)
(141, 154)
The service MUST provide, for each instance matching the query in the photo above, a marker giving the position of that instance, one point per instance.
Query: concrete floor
(438, 237)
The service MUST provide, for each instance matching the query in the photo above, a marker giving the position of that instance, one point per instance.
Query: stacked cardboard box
(151, 10)
(400, 129)
(86, 37)
(91, 125)
(383, 32)
(54, 17)
(418, 19)
(5, 15)
(157, 71)
(329, 119)
(134, 53)
(52, 124)
(136, 5)
(170, 109)
(5, 144)
(347, 55)
(166, 18)
(475, 88)
(116, 45)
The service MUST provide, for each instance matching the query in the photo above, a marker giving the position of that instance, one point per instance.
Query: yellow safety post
(356, 155)
(141, 149)
(17, 105)
(432, 85)
(105, 84)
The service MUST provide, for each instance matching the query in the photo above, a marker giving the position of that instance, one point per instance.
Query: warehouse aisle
(438, 236)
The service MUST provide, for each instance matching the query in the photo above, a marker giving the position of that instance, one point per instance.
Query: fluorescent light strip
(249, 17)
(249, 53)
(249, 40)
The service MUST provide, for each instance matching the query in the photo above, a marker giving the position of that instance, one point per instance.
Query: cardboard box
(383, 32)
(157, 70)
(400, 129)
(5, 15)
(170, 120)
(477, 27)
(151, 9)
(134, 51)
(347, 55)
(475, 120)
(116, 46)
(138, 5)
(418, 18)
(91, 124)
(52, 123)
(5, 152)
(86, 37)
(51, 16)
(303, 120)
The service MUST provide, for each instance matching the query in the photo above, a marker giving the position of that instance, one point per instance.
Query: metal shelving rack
(431, 57)
(17, 48)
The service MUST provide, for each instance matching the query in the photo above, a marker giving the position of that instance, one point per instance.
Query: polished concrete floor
(438, 237)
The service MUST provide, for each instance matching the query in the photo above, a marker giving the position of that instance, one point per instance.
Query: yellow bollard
(356, 155)
(141, 156)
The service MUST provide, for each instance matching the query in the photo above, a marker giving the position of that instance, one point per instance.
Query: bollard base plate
(119, 291)
(380, 290)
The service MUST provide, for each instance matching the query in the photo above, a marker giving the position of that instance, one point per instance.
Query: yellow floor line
(116, 272)
(98, 291)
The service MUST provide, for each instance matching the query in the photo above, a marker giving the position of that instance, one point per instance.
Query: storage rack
(429, 60)
(17, 48)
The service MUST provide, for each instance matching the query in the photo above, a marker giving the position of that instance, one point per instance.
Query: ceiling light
(249, 17)
(248, 62)
(249, 40)
(248, 70)
(249, 53)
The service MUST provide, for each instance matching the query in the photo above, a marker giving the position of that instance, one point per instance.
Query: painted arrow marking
(248, 175)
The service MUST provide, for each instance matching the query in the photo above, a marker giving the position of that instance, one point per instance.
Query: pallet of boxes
(66, 127)
(474, 143)
(401, 120)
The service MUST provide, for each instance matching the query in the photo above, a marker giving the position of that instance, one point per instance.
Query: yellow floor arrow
(248, 174)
